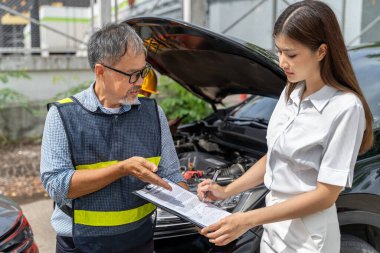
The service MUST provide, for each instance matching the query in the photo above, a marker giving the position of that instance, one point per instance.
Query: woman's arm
(304, 204)
(231, 227)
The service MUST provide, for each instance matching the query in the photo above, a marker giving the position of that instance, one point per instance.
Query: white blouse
(317, 139)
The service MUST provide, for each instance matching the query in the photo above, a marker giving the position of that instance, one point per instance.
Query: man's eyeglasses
(133, 77)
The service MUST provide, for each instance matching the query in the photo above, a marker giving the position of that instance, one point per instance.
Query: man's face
(117, 88)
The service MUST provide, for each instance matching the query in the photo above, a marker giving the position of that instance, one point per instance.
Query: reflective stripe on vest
(108, 219)
(112, 218)
(65, 101)
(155, 160)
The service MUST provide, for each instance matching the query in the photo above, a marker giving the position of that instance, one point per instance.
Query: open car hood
(210, 65)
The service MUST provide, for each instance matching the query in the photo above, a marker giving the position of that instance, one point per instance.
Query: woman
(319, 126)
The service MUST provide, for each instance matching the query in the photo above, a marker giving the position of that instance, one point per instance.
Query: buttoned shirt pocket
(303, 142)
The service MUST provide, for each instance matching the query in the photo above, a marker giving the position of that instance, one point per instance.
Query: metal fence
(64, 26)
(43, 26)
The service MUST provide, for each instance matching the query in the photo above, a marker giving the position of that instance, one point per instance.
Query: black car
(212, 67)
(16, 235)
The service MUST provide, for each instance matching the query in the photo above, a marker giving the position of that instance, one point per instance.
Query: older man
(102, 144)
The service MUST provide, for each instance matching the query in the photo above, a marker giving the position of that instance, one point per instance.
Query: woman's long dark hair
(313, 23)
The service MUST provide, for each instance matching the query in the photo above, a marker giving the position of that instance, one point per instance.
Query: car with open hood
(16, 235)
(213, 66)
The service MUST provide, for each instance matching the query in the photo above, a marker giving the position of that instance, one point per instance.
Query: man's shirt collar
(92, 103)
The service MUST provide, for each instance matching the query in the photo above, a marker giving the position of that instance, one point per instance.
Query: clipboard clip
(149, 187)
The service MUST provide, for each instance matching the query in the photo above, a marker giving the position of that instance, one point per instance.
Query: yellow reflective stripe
(155, 160)
(111, 218)
(65, 100)
(95, 165)
(140, 96)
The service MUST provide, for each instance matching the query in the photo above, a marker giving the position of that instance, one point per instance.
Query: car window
(256, 108)
(367, 70)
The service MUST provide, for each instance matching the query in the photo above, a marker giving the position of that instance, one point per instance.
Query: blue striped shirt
(57, 167)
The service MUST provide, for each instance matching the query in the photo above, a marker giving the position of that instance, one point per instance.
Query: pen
(216, 174)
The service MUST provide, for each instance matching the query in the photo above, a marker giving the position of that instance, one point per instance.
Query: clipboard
(183, 204)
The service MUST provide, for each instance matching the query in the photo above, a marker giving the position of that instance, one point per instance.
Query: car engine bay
(200, 158)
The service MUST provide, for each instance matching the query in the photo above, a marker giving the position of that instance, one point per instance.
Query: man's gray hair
(111, 42)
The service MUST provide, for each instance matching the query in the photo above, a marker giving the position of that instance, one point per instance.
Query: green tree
(177, 102)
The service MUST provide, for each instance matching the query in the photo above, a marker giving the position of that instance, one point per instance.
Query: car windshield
(366, 65)
(258, 109)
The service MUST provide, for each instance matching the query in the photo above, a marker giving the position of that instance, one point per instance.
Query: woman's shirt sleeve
(342, 147)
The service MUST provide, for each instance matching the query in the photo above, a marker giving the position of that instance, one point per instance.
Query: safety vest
(98, 140)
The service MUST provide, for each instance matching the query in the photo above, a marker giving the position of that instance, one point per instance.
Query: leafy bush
(177, 102)
(8, 95)
(4, 77)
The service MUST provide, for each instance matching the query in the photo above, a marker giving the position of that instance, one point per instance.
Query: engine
(200, 157)
(197, 166)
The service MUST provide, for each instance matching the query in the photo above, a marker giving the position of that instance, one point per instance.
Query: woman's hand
(227, 229)
(210, 191)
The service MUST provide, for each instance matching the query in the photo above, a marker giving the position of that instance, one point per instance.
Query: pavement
(38, 214)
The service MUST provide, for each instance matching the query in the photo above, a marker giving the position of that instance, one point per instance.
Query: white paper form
(183, 203)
